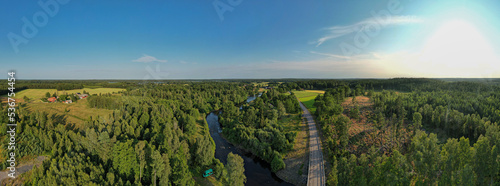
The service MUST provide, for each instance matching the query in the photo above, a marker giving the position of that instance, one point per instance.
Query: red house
(52, 99)
(82, 96)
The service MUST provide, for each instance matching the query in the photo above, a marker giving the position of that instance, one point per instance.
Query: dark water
(251, 98)
(257, 171)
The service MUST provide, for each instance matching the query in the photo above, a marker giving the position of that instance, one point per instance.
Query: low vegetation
(35, 95)
(307, 98)
(76, 113)
(299, 155)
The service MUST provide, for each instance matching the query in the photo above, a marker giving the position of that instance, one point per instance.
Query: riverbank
(296, 161)
(257, 171)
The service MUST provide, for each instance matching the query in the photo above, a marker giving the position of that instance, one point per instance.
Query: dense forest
(422, 131)
(397, 84)
(256, 128)
(442, 133)
(157, 135)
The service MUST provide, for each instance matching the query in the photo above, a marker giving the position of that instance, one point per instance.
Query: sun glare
(458, 49)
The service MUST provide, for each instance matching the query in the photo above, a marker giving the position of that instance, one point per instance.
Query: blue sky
(249, 39)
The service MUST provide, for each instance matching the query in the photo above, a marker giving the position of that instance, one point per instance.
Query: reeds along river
(257, 171)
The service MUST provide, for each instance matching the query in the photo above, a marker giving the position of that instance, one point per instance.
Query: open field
(307, 93)
(316, 91)
(307, 97)
(76, 113)
(309, 103)
(36, 94)
(261, 84)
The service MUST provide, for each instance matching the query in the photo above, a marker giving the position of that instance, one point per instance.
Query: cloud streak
(148, 59)
(330, 55)
(375, 22)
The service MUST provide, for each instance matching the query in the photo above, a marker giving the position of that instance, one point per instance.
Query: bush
(290, 136)
(277, 163)
(355, 112)
(300, 170)
(219, 170)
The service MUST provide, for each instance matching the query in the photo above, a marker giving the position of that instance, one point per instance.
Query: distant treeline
(79, 84)
(62, 84)
(282, 85)
(398, 84)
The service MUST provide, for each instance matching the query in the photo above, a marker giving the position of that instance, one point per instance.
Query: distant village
(268, 87)
(65, 98)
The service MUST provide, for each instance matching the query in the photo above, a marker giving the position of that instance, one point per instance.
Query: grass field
(261, 84)
(315, 91)
(76, 113)
(36, 94)
(307, 97)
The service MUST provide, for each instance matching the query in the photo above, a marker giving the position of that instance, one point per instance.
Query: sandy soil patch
(363, 133)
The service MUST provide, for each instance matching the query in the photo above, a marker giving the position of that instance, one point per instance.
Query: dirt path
(25, 167)
(316, 174)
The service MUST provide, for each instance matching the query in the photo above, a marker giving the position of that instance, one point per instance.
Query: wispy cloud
(331, 55)
(148, 59)
(377, 22)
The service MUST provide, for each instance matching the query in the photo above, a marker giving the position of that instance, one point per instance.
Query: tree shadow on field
(59, 119)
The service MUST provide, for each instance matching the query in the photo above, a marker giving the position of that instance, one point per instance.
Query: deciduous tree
(235, 170)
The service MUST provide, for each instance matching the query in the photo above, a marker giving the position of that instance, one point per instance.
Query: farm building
(52, 99)
(68, 101)
(82, 96)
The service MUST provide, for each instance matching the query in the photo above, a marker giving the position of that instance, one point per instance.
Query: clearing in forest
(307, 97)
(76, 113)
(365, 111)
(365, 132)
(36, 94)
(316, 91)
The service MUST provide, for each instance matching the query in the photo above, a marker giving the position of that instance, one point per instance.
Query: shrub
(277, 163)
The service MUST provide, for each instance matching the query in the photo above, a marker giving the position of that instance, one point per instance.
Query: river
(257, 171)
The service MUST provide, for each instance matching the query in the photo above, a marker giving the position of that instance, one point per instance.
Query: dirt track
(316, 173)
